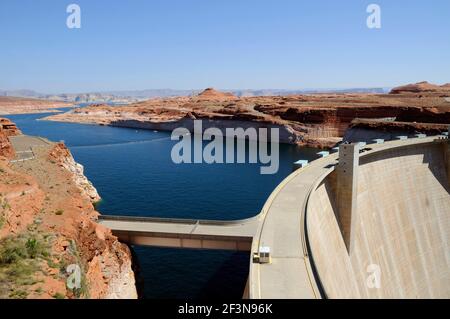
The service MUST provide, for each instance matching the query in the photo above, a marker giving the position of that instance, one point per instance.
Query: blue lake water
(135, 176)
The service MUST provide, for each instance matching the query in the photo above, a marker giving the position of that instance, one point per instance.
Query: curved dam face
(400, 226)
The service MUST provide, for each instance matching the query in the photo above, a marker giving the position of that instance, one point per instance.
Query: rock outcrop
(6, 149)
(318, 120)
(47, 215)
(7, 129)
(61, 154)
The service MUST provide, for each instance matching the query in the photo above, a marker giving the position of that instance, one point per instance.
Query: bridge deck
(179, 233)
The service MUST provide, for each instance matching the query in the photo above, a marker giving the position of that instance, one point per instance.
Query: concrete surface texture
(401, 225)
(347, 184)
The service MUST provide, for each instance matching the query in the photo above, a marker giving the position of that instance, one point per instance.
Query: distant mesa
(421, 87)
(213, 94)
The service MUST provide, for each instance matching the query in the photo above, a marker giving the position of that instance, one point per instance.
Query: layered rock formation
(49, 234)
(16, 105)
(314, 120)
(7, 129)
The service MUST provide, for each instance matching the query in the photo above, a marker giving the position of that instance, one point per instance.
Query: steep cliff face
(49, 234)
(6, 149)
(7, 129)
(62, 156)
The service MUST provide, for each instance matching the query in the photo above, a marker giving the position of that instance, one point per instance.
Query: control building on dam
(368, 221)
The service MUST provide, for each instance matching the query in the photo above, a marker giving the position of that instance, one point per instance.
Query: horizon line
(199, 89)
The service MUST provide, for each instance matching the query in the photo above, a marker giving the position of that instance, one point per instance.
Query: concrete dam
(369, 221)
(400, 224)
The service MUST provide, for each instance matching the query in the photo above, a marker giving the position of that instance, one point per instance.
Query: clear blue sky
(184, 44)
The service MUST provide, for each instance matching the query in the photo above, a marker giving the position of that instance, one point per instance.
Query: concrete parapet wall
(401, 226)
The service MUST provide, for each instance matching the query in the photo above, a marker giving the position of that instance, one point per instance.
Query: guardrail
(176, 220)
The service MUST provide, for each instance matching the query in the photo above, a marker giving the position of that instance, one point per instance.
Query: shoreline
(287, 133)
(16, 106)
(24, 112)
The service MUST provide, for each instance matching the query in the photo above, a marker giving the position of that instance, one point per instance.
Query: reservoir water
(134, 174)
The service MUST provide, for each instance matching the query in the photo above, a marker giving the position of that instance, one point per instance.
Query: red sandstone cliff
(7, 129)
(48, 222)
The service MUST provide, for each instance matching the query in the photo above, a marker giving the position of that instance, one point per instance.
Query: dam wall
(401, 226)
